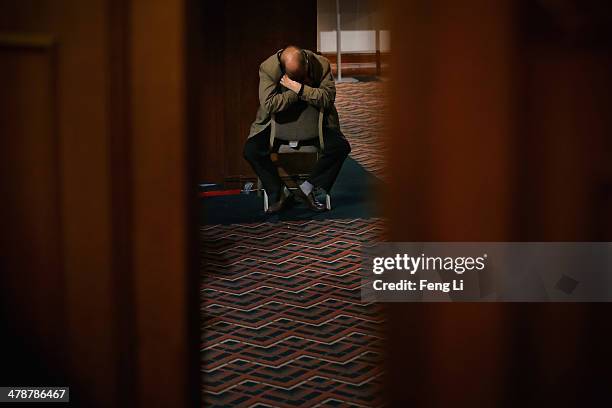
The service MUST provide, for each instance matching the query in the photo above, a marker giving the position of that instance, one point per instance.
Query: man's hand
(290, 84)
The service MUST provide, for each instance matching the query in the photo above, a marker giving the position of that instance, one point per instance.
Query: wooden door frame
(154, 202)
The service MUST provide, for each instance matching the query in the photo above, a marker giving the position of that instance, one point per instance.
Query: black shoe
(310, 200)
(280, 204)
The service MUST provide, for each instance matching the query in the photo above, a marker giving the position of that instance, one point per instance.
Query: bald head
(294, 63)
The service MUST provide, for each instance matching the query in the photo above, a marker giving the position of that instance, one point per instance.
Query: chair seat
(282, 149)
(302, 127)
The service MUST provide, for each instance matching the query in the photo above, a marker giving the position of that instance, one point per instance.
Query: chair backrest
(301, 121)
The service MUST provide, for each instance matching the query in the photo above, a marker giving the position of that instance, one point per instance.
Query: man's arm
(323, 96)
(270, 97)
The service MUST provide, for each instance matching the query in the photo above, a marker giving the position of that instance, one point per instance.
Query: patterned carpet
(362, 108)
(283, 323)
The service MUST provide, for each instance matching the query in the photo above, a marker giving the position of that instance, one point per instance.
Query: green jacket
(273, 97)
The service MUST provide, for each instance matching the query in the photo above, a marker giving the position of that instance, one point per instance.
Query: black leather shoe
(280, 204)
(310, 200)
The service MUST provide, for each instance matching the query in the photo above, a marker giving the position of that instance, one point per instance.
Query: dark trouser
(257, 153)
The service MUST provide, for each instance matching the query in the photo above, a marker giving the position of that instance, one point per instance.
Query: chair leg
(265, 200)
(328, 202)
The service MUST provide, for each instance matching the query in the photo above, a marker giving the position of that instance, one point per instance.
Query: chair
(299, 130)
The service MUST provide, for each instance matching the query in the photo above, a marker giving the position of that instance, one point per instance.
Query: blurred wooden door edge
(95, 114)
(500, 132)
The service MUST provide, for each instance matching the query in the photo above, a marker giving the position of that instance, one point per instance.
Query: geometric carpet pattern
(363, 109)
(283, 322)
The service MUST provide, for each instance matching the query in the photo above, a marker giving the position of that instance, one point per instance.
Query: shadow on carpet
(353, 196)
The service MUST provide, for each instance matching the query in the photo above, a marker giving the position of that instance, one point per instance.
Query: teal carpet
(353, 196)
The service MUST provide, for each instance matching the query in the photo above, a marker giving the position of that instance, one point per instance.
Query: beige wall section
(358, 17)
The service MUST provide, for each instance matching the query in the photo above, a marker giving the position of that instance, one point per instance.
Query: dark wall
(236, 37)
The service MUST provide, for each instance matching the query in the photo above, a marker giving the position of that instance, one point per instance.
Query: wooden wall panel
(501, 131)
(30, 191)
(98, 278)
(209, 55)
(237, 37)
(74, 176)
(451, 145)
(165, 267)
(361, 64)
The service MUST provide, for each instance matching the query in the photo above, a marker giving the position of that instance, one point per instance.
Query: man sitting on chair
(291, 75)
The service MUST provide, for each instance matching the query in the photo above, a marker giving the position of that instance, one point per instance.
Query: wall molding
(361, 63)
(27, 40)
